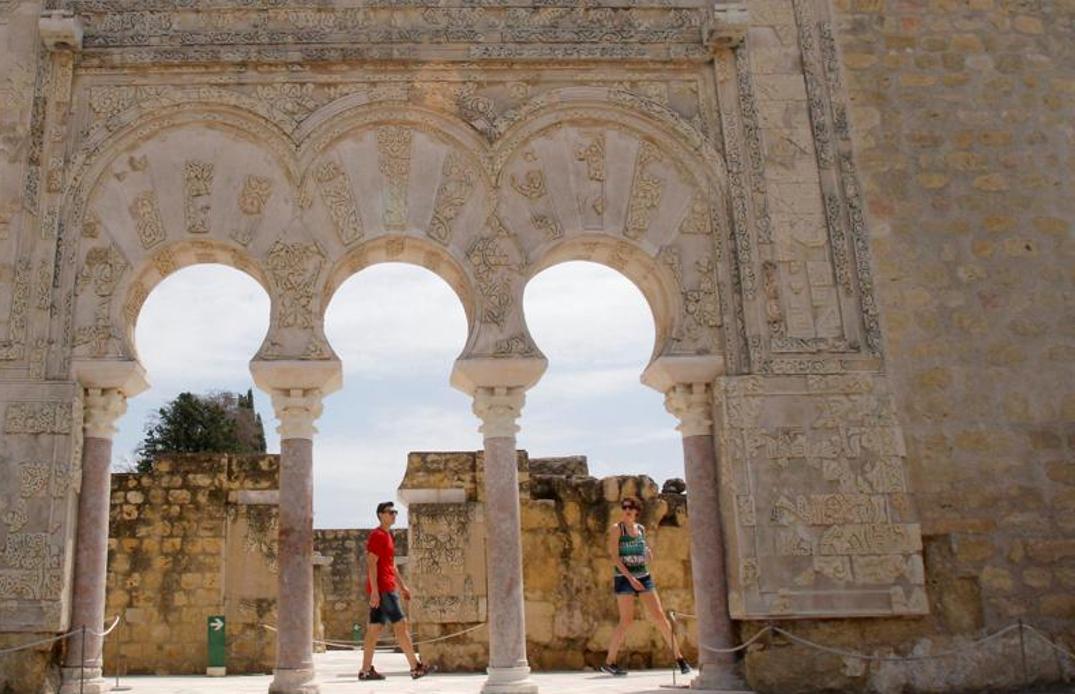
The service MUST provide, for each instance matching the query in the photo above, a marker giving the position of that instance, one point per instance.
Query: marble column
(83, 660)
(297, 409)
(692, 405)
(509, 670)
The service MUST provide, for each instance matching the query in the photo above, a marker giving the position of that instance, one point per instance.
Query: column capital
(297, 388)
(498, 408)
(101, 409)
(692, 405)
(731, 20)
(297, 409)
(60, 30)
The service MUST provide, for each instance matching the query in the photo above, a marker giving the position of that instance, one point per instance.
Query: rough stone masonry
(852, 220)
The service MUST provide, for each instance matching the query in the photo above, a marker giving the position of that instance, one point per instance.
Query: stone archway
(362, 183)
(284, 141)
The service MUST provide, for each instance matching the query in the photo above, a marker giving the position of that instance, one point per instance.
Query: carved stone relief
(447, 563)
(815, 483)
(40, 456)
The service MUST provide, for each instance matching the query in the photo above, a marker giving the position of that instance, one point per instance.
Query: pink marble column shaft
(91, 562)
(507, 623)
(295, 578)
(717, 670)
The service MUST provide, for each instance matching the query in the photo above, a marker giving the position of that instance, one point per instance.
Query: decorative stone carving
(147, 219)
(198, 182)
(102, 408)
(498, 408)
(808, 454)
(38, 418)
(457, 180)
(646, 191)
(101, 271)
(394, 159)
(692, 405)
(295, 270)
(335, 189)
(297, 409)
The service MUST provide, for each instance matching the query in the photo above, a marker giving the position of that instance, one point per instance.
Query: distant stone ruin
(198, 537)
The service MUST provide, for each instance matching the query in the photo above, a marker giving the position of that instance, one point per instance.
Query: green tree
(219, 422)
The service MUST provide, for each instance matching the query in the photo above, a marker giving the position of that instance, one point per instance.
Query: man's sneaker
(613, 669)
(684, 666)
(371, 675)
(422, 670)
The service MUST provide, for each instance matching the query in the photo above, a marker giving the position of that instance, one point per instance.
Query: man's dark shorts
(390, 610)
(622, 586)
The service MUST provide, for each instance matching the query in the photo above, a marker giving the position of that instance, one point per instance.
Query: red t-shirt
(380, 542)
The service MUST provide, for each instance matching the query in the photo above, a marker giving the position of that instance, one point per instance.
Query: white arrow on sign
(217, 624)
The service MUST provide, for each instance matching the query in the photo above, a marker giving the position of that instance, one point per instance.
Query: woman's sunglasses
(628, 507)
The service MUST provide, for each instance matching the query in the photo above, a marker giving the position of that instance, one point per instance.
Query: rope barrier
(1052, 644)
(882, 658)
(356, 645)
(60, 637)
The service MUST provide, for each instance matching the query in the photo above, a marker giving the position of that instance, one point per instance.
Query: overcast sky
(398, 328)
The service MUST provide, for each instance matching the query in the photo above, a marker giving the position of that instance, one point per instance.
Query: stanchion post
(82, 662)
(672, 619)
(1022, 651)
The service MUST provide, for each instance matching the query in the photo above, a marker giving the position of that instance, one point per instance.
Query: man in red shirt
(382, 580)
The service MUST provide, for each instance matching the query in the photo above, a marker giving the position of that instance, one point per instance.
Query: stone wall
(570, 609)
(193, 538)
(960, 115)
(344, 580)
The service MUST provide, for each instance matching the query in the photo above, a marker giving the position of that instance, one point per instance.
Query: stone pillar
(297, 409)
(686, 382)
(297, 388)
(509, 671)
(498, 387)
(83, 661)
(692, 404)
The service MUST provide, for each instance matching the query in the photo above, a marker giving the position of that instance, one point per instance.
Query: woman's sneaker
(684, 666)
(613, 669)
(371, 675)
(422, 670)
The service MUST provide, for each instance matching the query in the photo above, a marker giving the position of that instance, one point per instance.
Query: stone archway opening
(196, 331)
(397, 329)
(397, 318)
(597, 329)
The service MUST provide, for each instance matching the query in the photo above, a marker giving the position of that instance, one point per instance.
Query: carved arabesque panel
(816, 499)
(40, 472)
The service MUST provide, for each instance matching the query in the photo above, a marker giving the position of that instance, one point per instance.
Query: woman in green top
(630, 556)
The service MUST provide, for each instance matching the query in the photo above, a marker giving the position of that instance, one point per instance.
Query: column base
(294, 682)
(88, 681)
(509, 680)
(719, 679)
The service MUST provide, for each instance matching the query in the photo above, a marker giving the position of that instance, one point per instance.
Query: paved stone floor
(337, 675)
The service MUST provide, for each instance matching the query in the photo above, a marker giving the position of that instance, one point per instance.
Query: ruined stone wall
(960, 114)
(193, 538)
(567, 575)
(344, 580)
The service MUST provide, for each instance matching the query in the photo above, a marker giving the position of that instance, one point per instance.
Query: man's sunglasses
(628, 507)
(390, 510)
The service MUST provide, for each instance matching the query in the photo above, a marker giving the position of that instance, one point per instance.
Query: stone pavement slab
(337, 674)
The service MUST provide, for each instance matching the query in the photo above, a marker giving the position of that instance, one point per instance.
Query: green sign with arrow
(218, 652)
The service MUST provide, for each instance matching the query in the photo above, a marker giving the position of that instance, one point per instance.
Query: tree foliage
(219, 422)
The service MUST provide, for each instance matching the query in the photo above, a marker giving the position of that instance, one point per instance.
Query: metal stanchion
(675, 649)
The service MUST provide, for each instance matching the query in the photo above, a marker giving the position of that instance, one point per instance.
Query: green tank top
(633, 552)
